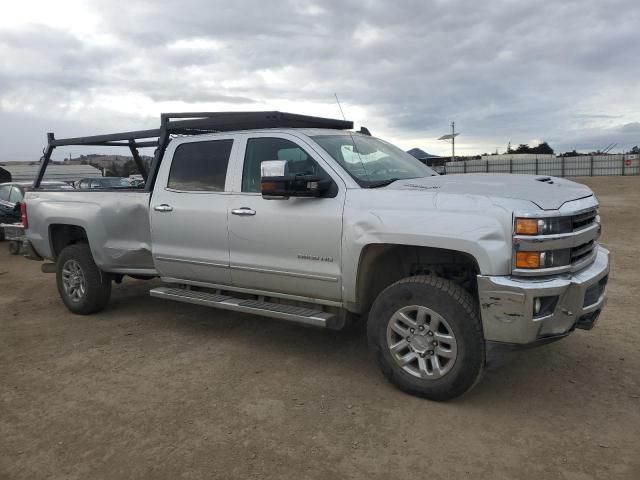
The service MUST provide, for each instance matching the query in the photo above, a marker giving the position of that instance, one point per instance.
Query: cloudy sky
(567, 72)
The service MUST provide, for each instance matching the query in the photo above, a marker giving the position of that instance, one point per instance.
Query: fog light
(544, 306)
(537, 305)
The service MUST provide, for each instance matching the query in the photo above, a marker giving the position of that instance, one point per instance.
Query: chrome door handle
(163, 208)
(244, 211)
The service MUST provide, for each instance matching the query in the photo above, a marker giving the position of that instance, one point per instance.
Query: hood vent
(545, 180)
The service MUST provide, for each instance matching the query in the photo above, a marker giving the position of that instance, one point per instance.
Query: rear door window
(200, 166)
(5, 190)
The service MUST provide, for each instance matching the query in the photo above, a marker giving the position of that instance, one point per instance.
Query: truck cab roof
(309, 132)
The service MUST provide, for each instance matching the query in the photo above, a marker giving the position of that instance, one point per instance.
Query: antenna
(339, 106)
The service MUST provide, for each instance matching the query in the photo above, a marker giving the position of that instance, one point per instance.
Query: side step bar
(307, 316)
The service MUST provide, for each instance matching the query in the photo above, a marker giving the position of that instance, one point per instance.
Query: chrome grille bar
(583, 219)
(582, 251)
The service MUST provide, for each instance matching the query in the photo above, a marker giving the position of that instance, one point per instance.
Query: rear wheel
(83, 287)
(426, 334)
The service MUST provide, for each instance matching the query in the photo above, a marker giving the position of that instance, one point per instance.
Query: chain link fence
(582, 166)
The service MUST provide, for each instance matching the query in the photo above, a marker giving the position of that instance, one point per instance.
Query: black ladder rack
(188, 123)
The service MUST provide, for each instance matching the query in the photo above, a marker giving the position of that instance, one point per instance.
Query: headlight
(527, 226)
(543, 226)
(554, 244)
(528, 259)
(550, 259)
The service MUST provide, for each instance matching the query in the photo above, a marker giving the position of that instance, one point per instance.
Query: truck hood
(548, 193)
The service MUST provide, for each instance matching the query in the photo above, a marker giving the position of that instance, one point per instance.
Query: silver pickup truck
(303, 219)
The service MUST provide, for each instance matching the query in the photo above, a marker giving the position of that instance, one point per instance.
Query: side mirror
(278, 183)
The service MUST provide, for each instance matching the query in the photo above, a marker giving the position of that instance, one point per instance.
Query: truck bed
(116, 224)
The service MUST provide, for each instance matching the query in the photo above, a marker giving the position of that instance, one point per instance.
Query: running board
(307, 316)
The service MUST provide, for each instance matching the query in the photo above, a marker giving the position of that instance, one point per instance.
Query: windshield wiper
(382, 183)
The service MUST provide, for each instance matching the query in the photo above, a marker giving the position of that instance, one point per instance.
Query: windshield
(370, 161)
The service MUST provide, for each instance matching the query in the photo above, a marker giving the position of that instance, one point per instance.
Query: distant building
(421, 154)
(433, 161)
(26, 172)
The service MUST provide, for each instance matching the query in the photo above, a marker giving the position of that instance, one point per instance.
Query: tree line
(540, 149)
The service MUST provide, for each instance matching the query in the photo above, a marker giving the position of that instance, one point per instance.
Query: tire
(14, 248)
(441, 372)
(75, 266)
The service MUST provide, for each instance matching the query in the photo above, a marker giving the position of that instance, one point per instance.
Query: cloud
(503, 70)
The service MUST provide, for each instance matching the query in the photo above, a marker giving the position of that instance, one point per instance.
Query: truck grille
(593, 293)
(581, 252)
(583, 219)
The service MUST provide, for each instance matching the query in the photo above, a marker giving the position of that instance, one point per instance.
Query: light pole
(451, 136)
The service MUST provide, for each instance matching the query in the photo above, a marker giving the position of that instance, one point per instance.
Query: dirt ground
(155, 389)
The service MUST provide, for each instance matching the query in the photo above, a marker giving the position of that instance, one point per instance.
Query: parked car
(12, 193)
(103, 183)
(302, 219)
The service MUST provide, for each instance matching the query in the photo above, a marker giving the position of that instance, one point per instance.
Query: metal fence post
(44, 162)
(486, 167)
(511, 165)
(562, 163)
(623, 169)
(464, 167)
(591, 166)
(536, 164)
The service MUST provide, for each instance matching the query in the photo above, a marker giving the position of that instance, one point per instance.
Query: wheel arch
(62, 235)
(382, 264)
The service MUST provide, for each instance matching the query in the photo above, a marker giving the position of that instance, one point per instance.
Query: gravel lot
(154, 389)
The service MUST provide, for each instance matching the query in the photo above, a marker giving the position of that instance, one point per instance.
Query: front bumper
(573, 301)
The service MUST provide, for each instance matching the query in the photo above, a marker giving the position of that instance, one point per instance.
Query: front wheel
(83, 287)
(426, 334)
